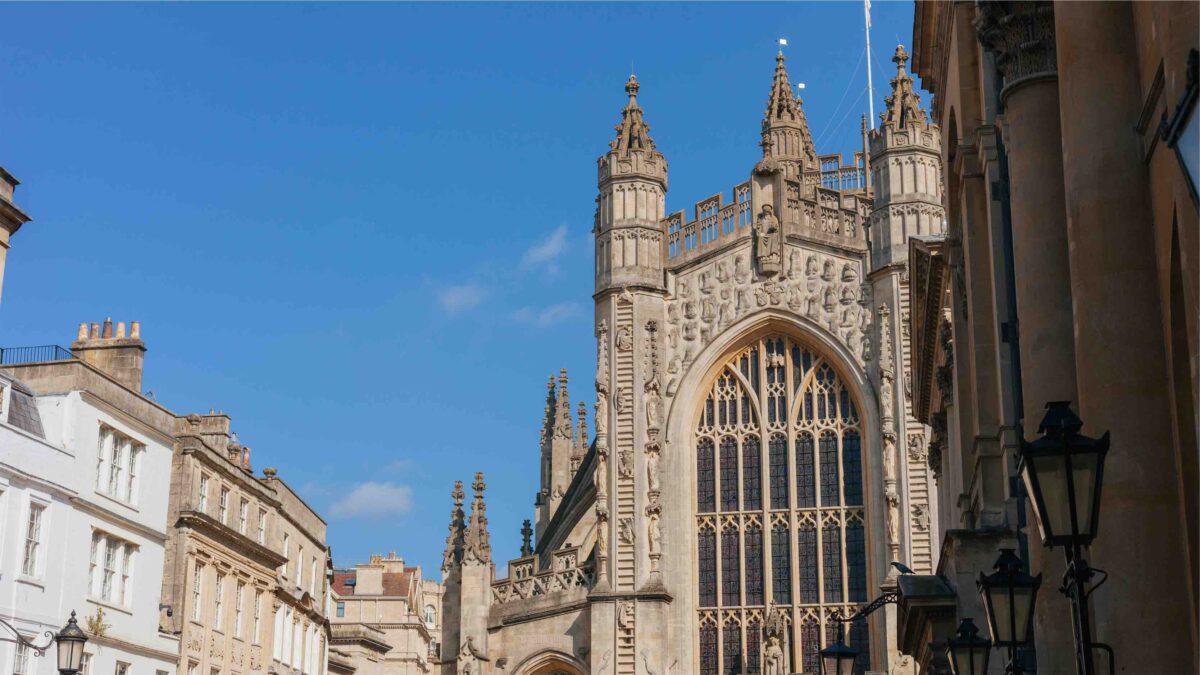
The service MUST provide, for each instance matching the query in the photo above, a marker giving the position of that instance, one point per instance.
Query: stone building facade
(386, 617)
(755, 464)
(1067, 272)
(215, 570)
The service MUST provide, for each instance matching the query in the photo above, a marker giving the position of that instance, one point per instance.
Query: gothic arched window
(780, 516)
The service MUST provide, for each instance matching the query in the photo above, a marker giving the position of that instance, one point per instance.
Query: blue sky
(364, 230)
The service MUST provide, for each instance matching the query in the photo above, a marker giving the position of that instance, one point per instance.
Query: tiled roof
(23, 411)
(395, 584)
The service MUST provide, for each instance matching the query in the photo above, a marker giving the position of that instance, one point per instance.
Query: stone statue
(652, 481)
(653, 403)
(625, 464)
(601, 412)
(889, 456)
(773, 658)
(601, 475)
(893, 517)
(602, 535)
(625, 615)
(768, 242)
(653, 532)
(624, 338)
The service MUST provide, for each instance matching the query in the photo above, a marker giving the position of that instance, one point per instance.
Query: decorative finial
(479, 485)
(900, 57)
(526, 539)
(631, 88)
(457, 493)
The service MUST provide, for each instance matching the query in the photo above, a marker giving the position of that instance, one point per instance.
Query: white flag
(782, 42)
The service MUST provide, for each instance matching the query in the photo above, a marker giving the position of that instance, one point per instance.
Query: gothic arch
(696, 383)
(551, 662)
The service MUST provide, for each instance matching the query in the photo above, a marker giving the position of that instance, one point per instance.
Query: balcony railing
(13, 355)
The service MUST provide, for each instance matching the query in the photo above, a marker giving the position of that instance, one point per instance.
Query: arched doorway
(550, 663)
(779, 509)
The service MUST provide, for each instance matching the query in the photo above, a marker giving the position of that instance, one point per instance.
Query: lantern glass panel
(840, 663)
(1050, 472)
(968, 659)
(1007, 614)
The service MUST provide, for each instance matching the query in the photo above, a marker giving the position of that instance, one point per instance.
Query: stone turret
(786, 139)
(633, 183)
(906, 172)
(467, 575)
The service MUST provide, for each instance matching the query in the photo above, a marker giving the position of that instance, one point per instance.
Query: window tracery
(780, 506)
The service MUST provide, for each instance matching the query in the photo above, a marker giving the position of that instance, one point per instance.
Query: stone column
(1121, 367)
(1024, 44)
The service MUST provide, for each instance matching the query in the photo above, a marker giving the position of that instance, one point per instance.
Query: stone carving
(826, 289)
(886, 374)
(621, 400)
(889, 459)
(624, 338)
(916, 448)
(601, 533)
(774, 661)
(653, 403)
(768, 242)
(920, 517)
(1021, 35)
(601, 382)
(626, 616)
(601, 474)
(625, 531)
(625, 463)
(893, 521)
(652, 480)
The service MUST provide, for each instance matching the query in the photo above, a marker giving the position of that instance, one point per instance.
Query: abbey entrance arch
(551, 663)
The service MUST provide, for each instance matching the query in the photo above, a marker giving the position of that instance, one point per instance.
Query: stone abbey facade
(754, 465)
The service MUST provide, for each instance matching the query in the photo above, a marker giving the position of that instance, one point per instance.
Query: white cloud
(547, 316)
(373, 501)
(547, 251)
(458, 299)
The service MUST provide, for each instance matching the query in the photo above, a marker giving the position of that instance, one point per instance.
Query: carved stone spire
(454, 539)
(562, 420)
(477, 541)
(581, 434)
(785, 128)
(633, 133)
(903, 105)
(548, 413)
(526, 539)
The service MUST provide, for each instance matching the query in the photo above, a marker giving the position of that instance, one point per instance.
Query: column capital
(1022, 37)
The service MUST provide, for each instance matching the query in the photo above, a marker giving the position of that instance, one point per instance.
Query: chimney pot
(95, 331)
(135, 330)
(120, 329)
(82, 333)
(107, 328)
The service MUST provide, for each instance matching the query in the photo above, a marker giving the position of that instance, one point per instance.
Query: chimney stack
(119, 356)
(11, 217)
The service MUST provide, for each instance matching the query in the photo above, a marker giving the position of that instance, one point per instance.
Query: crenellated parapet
(526, 581)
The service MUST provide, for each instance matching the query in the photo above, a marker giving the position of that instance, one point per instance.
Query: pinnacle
(633, 133)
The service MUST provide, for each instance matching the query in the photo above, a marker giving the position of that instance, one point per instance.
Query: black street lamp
(968, 653)
(70, 641)
(70, 647)
(1008, 596)
(1063, 472)
(838, 658)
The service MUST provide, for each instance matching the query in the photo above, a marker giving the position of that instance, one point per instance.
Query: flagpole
(870, 86)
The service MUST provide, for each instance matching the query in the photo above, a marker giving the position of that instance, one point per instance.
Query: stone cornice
(231, 539)
(125, 645)
(97, 511)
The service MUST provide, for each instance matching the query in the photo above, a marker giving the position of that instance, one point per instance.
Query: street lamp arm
(889, 598)
(38, 650)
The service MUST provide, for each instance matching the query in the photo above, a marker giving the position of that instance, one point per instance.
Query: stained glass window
(750, 410)
(708, 650)
(807, 545)
(829, 468)
(860, 639)
(731, 577)
(751, 474)
(810, 646)
(729, 474)
(707, 542)
(779, 470)
(754, 566)
(731, 636)
(856, 561)
(831, 561)
(806, 479)
(706, 500)
(781, 565)
(852, 468)
(754, 639)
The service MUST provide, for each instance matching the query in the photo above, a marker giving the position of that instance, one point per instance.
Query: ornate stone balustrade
(525, 581)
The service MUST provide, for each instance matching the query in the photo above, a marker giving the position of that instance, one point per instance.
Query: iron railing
(14, 355)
